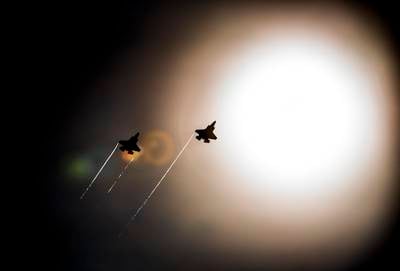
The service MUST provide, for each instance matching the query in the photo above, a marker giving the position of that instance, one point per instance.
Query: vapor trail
(155, 188)
(120, 175)
(95, 177)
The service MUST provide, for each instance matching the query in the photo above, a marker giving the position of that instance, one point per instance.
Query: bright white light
(298, 115)
(306, 109)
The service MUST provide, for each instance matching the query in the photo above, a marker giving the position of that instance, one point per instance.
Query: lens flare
(158, 147)
(128, 157)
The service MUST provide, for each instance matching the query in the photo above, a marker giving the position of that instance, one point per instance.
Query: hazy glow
(306, 122)
(302, 114)
(128, 157)
(157, 148)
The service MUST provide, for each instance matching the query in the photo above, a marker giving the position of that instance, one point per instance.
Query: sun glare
(303, 114)
(306, 122)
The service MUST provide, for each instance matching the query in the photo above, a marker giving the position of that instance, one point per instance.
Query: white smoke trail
(120, 175)
(155, 188)
(95, 177)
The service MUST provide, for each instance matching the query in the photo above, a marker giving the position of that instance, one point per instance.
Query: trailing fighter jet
(130, 145)
(207, 133)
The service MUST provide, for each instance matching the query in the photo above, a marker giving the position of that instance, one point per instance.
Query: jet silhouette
(207, 133)
(130, 145)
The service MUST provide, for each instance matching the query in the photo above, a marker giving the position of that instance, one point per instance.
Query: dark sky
(84, 45)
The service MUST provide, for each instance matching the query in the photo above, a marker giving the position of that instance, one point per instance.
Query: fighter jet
(130, 145)
(207, 133)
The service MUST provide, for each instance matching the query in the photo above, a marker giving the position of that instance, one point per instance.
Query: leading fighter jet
(131, 144)
(207, 133)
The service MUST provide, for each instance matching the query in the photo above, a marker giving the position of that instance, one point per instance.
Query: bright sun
(306, 119)
(301, 115)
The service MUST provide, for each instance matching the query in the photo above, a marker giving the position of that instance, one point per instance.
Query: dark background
(78, 42)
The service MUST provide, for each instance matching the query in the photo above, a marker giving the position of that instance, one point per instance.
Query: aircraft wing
(213, 136)
(134, 139)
